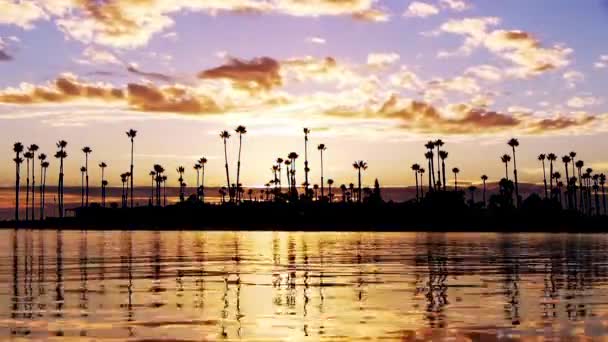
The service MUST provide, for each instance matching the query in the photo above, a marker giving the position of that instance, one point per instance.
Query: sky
(372, 79)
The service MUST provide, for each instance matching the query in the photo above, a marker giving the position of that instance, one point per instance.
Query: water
(267, 286)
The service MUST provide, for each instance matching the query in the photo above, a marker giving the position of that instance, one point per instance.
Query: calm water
(287, 286)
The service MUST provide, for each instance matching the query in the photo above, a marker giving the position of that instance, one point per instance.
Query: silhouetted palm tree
(330, 182)
(288, 173)
(28, 156)
(279, 163)
(506, 159)
(180, 170)
(579, 166)
(429, 156)
(515, 143)
(551, 157)
(18, 149)
(131, 134)
(484, 178)
(103, 166)
(33, 149)
(456, 171)
(557, 176)
(344, 189)
(202, 162)
(306, 168)
(159, 178)
(443, 155)
(164, 181)
(416, 168)
(152, 175)
(542, 158)
(61, 155)
(43, 166)
(316, 189)
(359, 165)
(124, 178)
(293, 156)
(322, 148)
(438, 144)
(596, 187)
(472, 190)
(421, 172)
(83, 170)
(225, 136)
(222, 192)
(87, 150)
(566, 159)
(240, 131)
(197, 168)
(602, 184)
(430, 145)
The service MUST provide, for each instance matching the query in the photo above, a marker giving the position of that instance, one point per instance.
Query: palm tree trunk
(484, 193)
(27, 192)
(152, 191)
(580, 190)
(567, 187)
(322, 181)
(545, 179)
(604, 199)
(515, 176)
(131, 171)
(359, 195)
(506, 170)
(86, 166)
(82, 190)
(164, 194)
(43, 194)
(551, 178)
(17, 185)
(443, 170)
(203, 184)
(306, 166)
(430, 175)
(417, 192)
(227, 173)
(33, 186)
(438, 170)
(40, 189)
(238, 170)
(60, 187)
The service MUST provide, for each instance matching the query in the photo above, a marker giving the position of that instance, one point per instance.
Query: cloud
(462, 84)
(132, 68)
(22, 13)
(573, 78)
(174, 99)
(582, 101)
(257, 74)
(602, 62)
(456, 5)
(406, 79)
(92, 55)
(421, 10)
(316, 40)
(485, 72)
(320, 70)
(4, 56)
(382, 59)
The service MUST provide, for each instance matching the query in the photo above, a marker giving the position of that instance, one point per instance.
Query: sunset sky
(373, 80)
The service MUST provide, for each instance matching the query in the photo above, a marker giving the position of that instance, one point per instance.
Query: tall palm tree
(359, 165)
(306, 168)
(542, 158)
(124, 178)
(131, 134)
(602, 184)
(87, 150)
(225, 136)
(572, 156)
(197, 168)
(322, 148)
(159, 178)
(421, 172)
(344, 190)
(279, 163)
(240, 130)
(557, 176)
(164, 181)
(28, 156)
(579, 166)
(275, 170)
(484, 178)
(83, 170)
(103, 166)
(44, 165)
(33, 148)
(18, 149)
(566, 159)
(287, 170)
(42, 158)
(472, 190)
(551, 157)
(203, 162)
(439, 143)
(506, 159)
(152, 175)
(515, 143)
(180, 170)
(416, 168)
(429, 156)
(315, 188)
(61, 155)
(430, 145)
(443, 155)
(293, 156)
(456, 171)
(330, 182)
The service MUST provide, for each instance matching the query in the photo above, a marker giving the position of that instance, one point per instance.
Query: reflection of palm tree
(33, 148)
(87, 150)
(61, 154)
(515, 143)
(131, 134)
(225, 136)
(542, 158)
(456, 171)
(322, 148)
(240, 131)
(44, 165)
(18, 149)
(103, 166)
(28, 156)
(484, 178)
(359, 165)
(416, 168)
(506, 159)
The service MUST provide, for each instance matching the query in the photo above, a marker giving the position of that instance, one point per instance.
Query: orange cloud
(257, 74)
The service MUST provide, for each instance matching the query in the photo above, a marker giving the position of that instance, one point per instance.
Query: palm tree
(124, 179)
(484, 178)
(456, 171)
(602, 183)
(551, 157)
(83, 170)
(416, 168)
(152, 175)
(421, 172)
(202, 162)
(164, 181)
(439, 143)
(579, 165)
(279, 162)
(222, 192)
(28, 156)
(197, 168)
(430, 145)
(515, 143)
(225, 136)
(159, 178)
(240, 130)
(316, 190)
(344, 189)
(322, 148)
(596, 188)
(103, 166)
(429, 156)
(287, 171)
(293, 156)
(33, 148)
(18, 149)
(180, 170)
(61, 154)
(472, 190)
(506, 159)
(131, 134)
(330, 182)
(443, 155)
(306, 168)
(43, 166)
(566, 159)
(359, 165)
(87, 150)
(542, 158)
(557, 176)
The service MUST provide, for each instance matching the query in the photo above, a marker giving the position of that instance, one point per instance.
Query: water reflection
(274, 285)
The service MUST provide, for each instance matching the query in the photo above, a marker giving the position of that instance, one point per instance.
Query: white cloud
(485, 72)
(581, 102)
(573, 78)
(316, 40)
(456, 5)
(92, 55)
(382, 59)
(421, 10)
